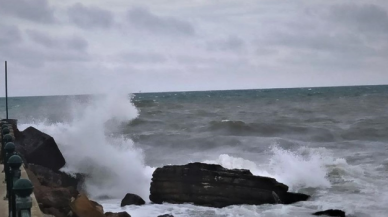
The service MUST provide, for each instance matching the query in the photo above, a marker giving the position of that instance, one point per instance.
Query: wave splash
(113, 165)
(303, 168)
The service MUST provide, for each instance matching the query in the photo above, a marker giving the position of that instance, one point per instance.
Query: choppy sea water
(330, 143)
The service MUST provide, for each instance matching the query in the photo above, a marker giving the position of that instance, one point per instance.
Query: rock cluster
(42, 159)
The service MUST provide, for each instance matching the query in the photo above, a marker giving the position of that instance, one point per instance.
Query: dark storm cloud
(90, 16)
(145, 20)
(71, 43)
(9, 35)
(33, 10)
(369, 18)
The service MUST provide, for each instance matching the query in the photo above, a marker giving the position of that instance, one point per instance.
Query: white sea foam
(297, 169)
(113, 165)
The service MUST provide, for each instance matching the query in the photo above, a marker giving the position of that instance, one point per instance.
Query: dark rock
(52, 179)
(132, 199)
(51, 200)
(331, 212)
(120, 214)
(39, 148)
(166, 215)
(294, 197)
(54, 212)
(214, 186)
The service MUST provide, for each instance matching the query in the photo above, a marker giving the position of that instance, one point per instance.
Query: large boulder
(39, 148)
(132, 199)
(214, 186)
(331, 212)
(120, 214)
(83, 207)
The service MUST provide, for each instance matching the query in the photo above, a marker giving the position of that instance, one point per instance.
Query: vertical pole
(6, 90)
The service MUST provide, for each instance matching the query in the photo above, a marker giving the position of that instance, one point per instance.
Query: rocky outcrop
(42, 159)
(214, 186)
(83, 207)
(97, 206)
(53, 190)
(331, 212)
(166, 215)
(120, 214)
(132, 199)
(39, 148)
(48, 177)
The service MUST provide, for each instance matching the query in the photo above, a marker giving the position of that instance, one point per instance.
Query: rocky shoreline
(61, 195)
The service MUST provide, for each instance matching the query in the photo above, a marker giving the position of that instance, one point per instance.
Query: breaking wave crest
(303, 168)
(112, 164)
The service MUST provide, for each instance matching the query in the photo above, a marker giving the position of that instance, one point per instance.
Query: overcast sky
(89, 46)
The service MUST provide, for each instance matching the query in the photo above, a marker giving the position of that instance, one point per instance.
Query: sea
(329, 142)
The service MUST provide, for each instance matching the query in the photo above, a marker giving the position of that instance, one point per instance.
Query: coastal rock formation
(39, 148)
(52, 179)
(53, 190)
(132, 199)
(331, 212)
(214, 186)
(83, 207)
(42, 160)
(97, 206)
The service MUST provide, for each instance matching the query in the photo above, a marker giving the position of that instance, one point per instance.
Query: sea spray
(298, 169)
(112, 164)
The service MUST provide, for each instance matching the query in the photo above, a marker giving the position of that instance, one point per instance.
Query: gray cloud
(90, 17)
(231, 43)
(365, 18)
(33, 10)
(71, 43)
(145, 20)
(142, 57)
(9, 35)
(45, 49)
(193, 45)
(77, 43)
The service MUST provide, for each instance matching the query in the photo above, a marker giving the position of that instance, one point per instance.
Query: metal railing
(18, 190)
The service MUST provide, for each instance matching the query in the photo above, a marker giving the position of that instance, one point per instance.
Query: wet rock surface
(132, 199)
(331, 212)
(215, 186)
(39, 148)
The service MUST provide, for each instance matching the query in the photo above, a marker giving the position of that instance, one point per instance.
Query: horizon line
(181, 91)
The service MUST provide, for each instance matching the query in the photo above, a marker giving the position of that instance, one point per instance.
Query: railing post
(5, 131)
(14, 162)
(23, 189)
(3, 126)
(9, 151)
